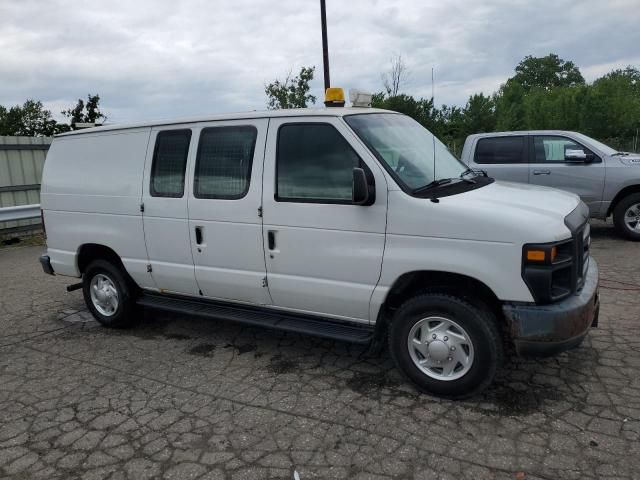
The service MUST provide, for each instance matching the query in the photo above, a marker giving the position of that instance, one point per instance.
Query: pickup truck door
(323, 253)
(549, 168)
(224, 210)
(502, 157)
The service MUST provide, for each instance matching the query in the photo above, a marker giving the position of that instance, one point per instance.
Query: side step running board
(318, 326)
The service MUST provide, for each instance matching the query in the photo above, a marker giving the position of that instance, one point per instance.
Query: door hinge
(149, 268)
(260, 212)
(142, 207)
(265, 283)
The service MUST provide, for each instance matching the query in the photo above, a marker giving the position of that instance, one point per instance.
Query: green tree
(509, 106)
(547, 72)
(479, 114)
(85, 112)
(293, 92)
(31, 119)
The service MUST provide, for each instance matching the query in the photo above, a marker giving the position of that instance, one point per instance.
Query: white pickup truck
(352, 224)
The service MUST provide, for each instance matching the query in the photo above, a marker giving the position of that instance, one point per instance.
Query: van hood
(539, 211)
(502, 212)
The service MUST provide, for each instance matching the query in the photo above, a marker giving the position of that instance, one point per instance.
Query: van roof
(293, 112)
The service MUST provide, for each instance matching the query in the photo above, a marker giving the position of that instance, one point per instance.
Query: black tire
(618, 217)
(481, 327)
(124, 314)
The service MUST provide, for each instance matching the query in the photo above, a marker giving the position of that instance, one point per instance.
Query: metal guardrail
(21, 212)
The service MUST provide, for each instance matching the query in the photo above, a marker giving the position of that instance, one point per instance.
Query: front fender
(495, 264)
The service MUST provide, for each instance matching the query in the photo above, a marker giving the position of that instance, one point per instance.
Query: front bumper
(45, 261)
(549, 329)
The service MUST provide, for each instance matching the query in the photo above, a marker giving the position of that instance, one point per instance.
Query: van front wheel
(108, 294)
(445, 345)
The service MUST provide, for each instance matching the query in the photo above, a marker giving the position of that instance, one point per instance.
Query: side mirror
(575, 156)
(578, 156)
(361, 195)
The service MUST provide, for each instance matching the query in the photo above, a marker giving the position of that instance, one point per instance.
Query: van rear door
(164, 205)
(225, 220)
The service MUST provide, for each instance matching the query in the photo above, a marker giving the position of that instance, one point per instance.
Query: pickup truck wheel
(626, 217)
(108, 294)
(445, 345)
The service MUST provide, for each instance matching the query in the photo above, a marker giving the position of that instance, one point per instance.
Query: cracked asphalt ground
(183, 398)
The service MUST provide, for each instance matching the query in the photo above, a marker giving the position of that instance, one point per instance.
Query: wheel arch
(93, 251)
(413, 283)
(628, 190)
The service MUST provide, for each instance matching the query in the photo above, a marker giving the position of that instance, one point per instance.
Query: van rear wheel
(445, 345)
(108, 294)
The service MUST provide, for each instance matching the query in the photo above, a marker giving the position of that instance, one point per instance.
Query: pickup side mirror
(578, 156)
(361, 193)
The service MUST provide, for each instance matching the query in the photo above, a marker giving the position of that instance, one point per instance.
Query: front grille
(583, 246)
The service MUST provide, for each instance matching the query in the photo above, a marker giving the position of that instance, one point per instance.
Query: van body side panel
(91, 191)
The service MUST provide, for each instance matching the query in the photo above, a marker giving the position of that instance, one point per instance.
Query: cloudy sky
(156, 59)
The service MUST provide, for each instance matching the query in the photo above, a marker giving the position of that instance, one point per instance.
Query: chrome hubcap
(632, 217)
(440, 348)
(104, 295)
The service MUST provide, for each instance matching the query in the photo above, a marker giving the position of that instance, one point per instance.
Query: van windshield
(406, 148)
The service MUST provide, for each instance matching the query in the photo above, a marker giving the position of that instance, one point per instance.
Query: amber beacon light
(334, 97)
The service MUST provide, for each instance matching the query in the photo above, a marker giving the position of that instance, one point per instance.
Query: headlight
(547, 270)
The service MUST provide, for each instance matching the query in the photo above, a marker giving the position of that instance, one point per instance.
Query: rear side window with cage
(223, 163)
(169, 163)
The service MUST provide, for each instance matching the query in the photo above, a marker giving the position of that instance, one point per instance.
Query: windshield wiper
(430, 185)
(476, 171)
(620, 154)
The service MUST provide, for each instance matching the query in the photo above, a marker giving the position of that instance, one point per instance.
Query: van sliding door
(225, 220)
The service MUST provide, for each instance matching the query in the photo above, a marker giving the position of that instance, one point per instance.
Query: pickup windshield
(412, 154)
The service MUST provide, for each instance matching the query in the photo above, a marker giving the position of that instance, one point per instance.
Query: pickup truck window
(553, 148)
(169, 163)
(500, 150)
(314, 163)
(223, 163)
(407, 150)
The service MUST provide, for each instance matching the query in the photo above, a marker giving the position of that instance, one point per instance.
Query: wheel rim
(440, 348)
(632, 218)
(104, 295)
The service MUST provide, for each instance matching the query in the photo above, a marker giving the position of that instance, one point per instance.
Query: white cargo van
(353, 224)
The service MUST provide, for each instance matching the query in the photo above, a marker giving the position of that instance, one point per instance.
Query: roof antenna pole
(325, 45)
(433, 98)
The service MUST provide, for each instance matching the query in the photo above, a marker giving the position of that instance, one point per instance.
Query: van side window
(500, 150)
(223, 164)
(169, 163)
(314, 163)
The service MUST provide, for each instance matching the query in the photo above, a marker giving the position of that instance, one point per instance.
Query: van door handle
(542, 172)
(198, 235)
(271, 239)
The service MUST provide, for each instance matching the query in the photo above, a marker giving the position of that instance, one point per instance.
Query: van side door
(164, 205)
(224, 210)
(550, 168)
(323, 253)
(502, 157)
